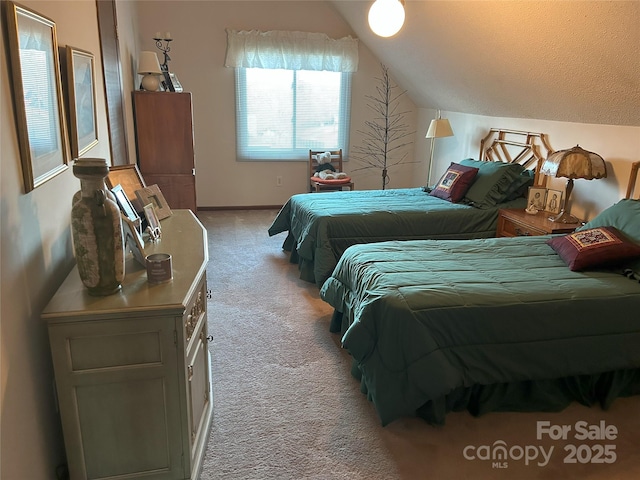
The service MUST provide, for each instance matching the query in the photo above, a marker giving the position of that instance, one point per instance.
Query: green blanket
(322, 226)
(427, 320)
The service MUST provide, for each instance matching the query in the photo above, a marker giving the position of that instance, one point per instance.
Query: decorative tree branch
(384, 139)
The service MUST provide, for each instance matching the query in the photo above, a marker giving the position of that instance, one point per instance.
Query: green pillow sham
(493, 183)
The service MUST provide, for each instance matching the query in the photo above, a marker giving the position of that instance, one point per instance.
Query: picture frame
(153, 222)
(153, 195)
(171, 82)
(553, 202)
(82, 100)
(537, 197)
(37, 90)
(125, 205)
(133, 240)
(129, 177)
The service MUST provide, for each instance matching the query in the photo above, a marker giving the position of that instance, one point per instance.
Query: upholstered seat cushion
(334, 181)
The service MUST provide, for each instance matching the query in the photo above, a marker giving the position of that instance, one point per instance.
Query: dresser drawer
(511, 228)
(196, 311)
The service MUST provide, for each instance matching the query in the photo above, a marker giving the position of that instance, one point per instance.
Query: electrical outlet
(279, 181)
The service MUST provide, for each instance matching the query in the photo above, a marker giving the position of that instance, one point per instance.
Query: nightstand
(515, 222)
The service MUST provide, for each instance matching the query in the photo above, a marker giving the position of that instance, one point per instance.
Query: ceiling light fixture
(386, 17)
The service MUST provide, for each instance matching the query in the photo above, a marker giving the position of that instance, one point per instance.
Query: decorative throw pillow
(455, 182)
(493, 183)
(625, 216)
(595, 247)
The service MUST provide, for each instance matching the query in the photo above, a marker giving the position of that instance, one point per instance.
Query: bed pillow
(594, 247)
(625, 216)
(494, 182)
(455, 182)
(520, 187)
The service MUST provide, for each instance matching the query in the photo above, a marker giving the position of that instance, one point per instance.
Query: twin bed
(491, 324)
(440, 317)
(320, 227)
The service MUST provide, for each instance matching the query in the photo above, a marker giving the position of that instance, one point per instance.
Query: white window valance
(290, 51)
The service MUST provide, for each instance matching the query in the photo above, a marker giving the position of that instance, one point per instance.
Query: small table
(515, 222)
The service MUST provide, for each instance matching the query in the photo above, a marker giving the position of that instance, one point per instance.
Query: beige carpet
(286, 406)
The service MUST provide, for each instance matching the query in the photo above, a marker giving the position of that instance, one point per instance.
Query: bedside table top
(539, 221)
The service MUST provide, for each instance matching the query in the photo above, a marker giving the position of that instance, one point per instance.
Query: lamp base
(565, 217)
(150, 82)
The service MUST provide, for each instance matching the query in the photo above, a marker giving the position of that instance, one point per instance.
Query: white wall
(618, 145)
(197, 58)
(36, 256)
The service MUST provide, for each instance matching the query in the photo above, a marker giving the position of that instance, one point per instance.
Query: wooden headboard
(633, 176)
(515, 146)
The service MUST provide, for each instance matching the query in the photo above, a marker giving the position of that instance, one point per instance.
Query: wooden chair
(316, 184)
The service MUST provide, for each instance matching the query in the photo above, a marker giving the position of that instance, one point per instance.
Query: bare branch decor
(385, 136)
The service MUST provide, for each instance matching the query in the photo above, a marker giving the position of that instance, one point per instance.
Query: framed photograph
(153, 195)
(127, 176)
(133, 240)
(171, 82)
(536, 198)
(125, 205)
(152, 221)
(37, 92)
(82, 101)
(553, 203)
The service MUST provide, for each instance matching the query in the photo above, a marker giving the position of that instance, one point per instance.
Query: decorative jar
(96, 228)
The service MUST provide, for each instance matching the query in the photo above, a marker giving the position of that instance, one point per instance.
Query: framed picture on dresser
(152, 195)
(537, 198)
(553, 203)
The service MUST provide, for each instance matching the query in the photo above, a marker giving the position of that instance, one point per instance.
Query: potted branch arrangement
(385, 135)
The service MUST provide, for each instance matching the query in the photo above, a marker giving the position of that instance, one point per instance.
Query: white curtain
(290, 51)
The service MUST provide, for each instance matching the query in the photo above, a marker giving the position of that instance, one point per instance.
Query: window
(293, 92)
(282, 114)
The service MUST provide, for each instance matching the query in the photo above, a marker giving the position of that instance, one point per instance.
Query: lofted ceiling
(569, 61)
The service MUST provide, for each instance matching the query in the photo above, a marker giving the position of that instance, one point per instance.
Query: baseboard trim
(242, 207)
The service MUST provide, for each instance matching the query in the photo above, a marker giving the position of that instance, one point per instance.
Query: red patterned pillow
(595, 247)
(455, 182)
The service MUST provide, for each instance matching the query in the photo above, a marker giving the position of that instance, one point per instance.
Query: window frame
(244, 153)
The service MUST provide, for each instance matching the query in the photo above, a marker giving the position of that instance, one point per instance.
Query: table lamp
(149, 67)
(438, 128)
(573, 163)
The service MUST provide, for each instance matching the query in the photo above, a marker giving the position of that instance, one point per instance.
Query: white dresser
(132, 369)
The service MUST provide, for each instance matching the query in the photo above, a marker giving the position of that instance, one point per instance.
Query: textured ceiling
(570, 61)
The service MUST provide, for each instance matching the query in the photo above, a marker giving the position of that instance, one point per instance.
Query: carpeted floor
(286, 406)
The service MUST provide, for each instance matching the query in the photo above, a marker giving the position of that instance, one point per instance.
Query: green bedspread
(425, 320)
(322, 226)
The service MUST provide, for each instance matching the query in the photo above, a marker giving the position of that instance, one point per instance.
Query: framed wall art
(35, 70)
(153, 195)
(82, 101)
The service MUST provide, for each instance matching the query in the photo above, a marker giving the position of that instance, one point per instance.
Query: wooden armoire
(164, 135)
